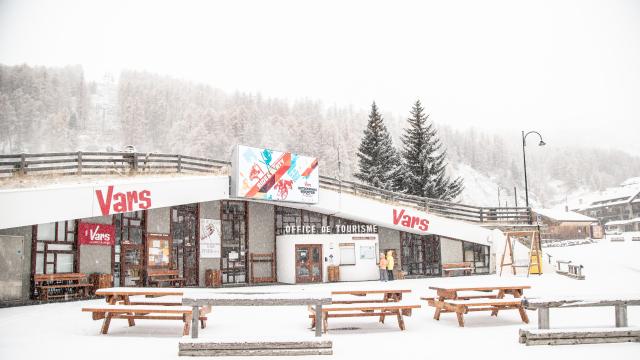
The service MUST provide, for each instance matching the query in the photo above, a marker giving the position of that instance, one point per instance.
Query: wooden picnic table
(160, 307)
(462, 299)
(388, 295)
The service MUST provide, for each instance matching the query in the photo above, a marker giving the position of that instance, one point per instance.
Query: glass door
(233, 262)
(308, 263)
(184, 229)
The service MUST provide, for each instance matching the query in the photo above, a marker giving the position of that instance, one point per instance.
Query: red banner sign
(96, 234)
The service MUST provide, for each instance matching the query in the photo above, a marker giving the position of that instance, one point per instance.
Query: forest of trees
(54, 109)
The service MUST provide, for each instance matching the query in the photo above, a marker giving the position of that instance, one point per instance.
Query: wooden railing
(104, 163)
(452, 210)
(124, 163)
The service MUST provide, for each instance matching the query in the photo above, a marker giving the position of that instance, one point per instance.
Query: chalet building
(128, 226)
(558, 224)
(614, 204)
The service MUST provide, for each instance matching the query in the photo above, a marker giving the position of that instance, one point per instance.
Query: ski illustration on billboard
(275, 175)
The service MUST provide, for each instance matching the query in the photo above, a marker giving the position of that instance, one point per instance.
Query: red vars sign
(399, 217)
(96, 234)
(120, 202)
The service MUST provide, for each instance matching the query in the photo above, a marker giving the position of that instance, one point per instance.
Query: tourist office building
(192, 224)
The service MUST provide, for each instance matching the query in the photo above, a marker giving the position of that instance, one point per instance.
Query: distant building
(620, 226)
(614, 204)
(558, 224)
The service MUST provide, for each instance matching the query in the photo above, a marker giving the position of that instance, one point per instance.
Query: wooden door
(308, 263)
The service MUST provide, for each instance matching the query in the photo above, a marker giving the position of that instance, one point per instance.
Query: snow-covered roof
(561, 215)
(622, 194)
(623, 222)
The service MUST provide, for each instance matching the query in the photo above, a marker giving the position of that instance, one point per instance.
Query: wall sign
(337, 229)
(210, 235)
(274, 175)
(96, 234)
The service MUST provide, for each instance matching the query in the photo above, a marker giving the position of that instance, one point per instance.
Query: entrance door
(308, 263)
(233, 262)
(11, 264)
(184, 230)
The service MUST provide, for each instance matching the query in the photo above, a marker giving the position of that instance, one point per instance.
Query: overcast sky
(569, 69)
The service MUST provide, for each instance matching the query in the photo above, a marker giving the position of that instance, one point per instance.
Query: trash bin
(333, 273)
(212, 278)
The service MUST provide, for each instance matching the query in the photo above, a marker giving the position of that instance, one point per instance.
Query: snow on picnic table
(61, 330)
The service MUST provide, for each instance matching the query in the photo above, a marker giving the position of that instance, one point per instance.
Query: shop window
(54, 248)
(347, 254)
(478, 255)
(420, 254)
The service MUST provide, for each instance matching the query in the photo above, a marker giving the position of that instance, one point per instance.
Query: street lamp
(524, 158)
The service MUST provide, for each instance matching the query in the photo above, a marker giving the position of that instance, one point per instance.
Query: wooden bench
(158, 276)
(387, 296)
(465, 267)
(380, 310)
(464, 306)
(545, 336)
(579, 336)
(147, 312)
(61, 285)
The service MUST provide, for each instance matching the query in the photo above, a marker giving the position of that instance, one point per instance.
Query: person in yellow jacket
(390, 264)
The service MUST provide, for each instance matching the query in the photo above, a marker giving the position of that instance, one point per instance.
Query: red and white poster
(96, 234)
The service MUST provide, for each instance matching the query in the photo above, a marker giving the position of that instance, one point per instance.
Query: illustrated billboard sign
(274, 175)
(96, 234)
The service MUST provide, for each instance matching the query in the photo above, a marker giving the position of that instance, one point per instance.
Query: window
(478, 255)
(54, 247)
(347, 254)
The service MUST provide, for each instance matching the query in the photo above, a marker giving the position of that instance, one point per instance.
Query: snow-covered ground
(61, 330)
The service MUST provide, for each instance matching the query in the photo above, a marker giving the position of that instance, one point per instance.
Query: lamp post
(524, 158)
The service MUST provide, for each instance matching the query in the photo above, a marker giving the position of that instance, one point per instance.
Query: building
(558, 224)
(126, 225)
(613, 204)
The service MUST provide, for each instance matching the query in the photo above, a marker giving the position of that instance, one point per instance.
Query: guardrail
(452, 210)
(104, 163)
(124, 163)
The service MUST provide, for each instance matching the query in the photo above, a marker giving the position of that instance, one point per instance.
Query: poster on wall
(210, 235)
(274, 175)
(96, 234)
(159, 250)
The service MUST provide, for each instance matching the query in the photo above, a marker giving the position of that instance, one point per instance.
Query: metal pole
(524, 158)
(515, 195)
(319, 320)
(195, 312)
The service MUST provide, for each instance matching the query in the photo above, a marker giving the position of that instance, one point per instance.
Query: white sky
(569, 69)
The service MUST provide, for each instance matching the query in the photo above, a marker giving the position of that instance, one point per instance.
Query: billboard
(274, 175)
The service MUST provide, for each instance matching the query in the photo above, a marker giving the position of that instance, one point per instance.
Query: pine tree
(425, 160)
(378, 161)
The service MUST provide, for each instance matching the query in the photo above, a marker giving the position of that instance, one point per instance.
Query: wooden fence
(124, 163)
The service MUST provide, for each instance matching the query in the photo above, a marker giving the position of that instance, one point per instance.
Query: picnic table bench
(341, 306)
(156, 277)
(147, 312)
(388, 295)
(158, 304)
(462, 300)
(546, 336)
(61, 285)
(465, 267)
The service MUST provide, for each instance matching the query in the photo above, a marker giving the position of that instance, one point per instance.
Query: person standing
(383, 267)
(390, 264)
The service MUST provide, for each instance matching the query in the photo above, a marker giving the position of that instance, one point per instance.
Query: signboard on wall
(210, 235)
(159, 250)
(96, 234)
(274, 175)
